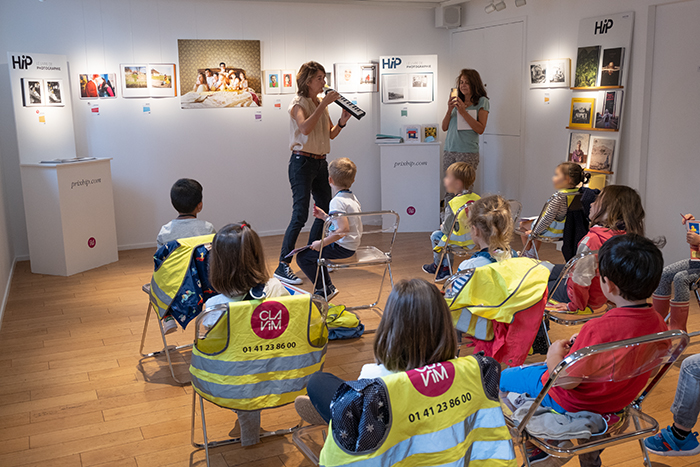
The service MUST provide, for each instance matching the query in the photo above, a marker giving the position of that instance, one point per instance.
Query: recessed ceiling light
(500, 5)
(520, 2)
(490, 8)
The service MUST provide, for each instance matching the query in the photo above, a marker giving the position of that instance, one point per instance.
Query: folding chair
(574, 205)
(256, 355)
(365, 256)
(450, 248)
(173, 266)
(611, 362)
(515, 208)
(695, 288)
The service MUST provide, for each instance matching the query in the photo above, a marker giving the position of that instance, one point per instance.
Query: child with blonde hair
(459, 179)
(491, 225)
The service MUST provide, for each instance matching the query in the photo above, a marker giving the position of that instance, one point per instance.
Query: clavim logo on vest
(433, 380)
(270, 320)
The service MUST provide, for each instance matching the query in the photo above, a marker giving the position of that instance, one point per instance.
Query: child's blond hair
(492, 216)
(463, 172)
(343, 172)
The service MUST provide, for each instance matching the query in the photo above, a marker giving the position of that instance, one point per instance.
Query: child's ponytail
(492, 216)
(575, 173)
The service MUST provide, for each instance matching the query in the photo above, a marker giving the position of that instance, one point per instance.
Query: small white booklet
(462, 122)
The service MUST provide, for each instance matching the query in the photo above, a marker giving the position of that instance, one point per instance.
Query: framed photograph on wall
(538, 74)
(368, 78)
(558, 73)
(288, 82)
(601, 154)
(582, 111)
(578, 148)
(97, 85)
(32, 92)
(54, 92)
(347, 77)
(273, 80)
(134, 78)
(161, 80)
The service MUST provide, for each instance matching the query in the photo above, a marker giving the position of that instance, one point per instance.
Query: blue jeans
(307, 177)
(686, 405)
(528, 379)
(435, 238)
(321, 389)
(308, 262)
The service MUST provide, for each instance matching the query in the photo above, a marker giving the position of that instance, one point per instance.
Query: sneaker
(443, 274)
(285, 274)
(539, 457)
(307, 411)
(329, 293)
(169, 324)
(430, 268)
(665, 443)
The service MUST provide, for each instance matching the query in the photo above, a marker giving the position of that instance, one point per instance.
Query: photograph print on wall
(134, 80)
(538, 74)
(161, 79)
(54, 92)
(288, 82)
(601, 154)
(368, 78)
(273, 83)
(578, 148)
(558, 71)
(97, 85)
(32, 92)
(581, 112)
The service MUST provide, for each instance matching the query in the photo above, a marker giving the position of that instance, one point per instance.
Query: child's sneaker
(306, 410)
(330, 292)
(443, 274)
(285, 274)
(430, 268)
(537, 456)
(169, 324)
(665, 443)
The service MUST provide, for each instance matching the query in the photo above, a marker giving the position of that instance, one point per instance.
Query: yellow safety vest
(260, 353)
(461, 234)
(556, 228)
(438, 415)
(497, 292)
(167, 279)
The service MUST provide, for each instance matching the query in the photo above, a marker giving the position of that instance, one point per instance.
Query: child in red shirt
(630, 270)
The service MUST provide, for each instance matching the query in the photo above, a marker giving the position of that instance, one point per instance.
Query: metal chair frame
(302, 446)
(322, 305)
(540, 238)
(448, 248)
(333, 265)
(166, 349)
(678, 341)
(695, 288)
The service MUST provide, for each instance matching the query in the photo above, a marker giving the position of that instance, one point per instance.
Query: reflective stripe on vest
(260, 354)
(461, 235)
(497, 292)
(556, 228)
(469, 430)
(167, 279)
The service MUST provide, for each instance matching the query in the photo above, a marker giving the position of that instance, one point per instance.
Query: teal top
(464, 140)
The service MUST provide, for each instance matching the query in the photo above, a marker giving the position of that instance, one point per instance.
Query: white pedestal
(410, 177)
(70, 216)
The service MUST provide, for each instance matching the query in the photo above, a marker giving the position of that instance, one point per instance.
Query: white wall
(6, 251)
(241, 164)
(552, 32)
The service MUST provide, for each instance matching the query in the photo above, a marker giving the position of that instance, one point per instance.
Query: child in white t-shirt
(346, 232)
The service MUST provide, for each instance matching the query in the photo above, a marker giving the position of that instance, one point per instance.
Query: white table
(410, 177)
(70, 216)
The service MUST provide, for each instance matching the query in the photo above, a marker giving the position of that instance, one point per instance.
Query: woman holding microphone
(470, 102)
(310, 135)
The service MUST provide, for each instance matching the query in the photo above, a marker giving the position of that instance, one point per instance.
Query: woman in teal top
(463, 145)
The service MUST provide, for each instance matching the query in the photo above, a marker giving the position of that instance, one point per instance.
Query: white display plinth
(70, 216)
(410, 177)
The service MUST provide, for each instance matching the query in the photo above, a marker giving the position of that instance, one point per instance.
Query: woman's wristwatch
(341, 125)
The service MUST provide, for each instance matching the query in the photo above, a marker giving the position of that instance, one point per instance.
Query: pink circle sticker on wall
(270, 320)
(411, 210)
(433, 380)
(92, 242)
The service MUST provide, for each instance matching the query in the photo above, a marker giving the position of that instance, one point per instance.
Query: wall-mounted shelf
(598, 88)
(591, 129)
(606, 172)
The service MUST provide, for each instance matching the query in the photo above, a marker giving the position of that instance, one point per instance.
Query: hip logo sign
(92, 242)
(270, 320)
(433, 380)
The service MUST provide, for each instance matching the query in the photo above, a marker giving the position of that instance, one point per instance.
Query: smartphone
(453, 93)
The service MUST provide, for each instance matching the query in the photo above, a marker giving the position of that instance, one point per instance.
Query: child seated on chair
(459, 180)
(343, 239)
(682, 275)
(186, 198)
(630, 269)
(491, 227)
(238, 272)
(566, 180)
(617, 210)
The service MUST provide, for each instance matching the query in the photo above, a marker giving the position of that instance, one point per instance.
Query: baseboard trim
(6, 294)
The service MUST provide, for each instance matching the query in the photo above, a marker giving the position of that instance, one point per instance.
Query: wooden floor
(74, 392)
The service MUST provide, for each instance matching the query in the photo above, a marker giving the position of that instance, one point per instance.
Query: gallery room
(349, 232)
